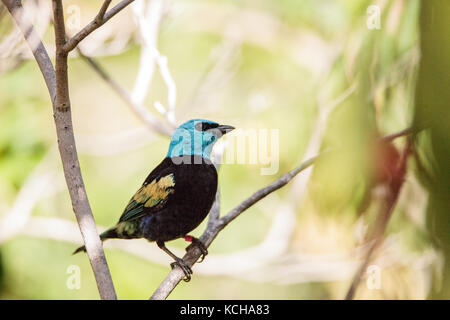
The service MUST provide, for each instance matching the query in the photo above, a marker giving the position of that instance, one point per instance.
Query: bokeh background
(316, 70)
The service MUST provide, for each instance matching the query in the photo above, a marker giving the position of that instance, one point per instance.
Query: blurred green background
(254, 65)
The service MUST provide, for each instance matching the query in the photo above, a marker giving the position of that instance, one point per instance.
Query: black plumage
(175, 197)
(189, 203)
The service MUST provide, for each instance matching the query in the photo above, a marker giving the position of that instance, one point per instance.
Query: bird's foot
(197, 243)
(186, 269)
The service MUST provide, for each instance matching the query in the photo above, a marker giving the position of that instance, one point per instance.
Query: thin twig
(385, 214)
(138, 108)
(101, 13)
(394, 136)
(95, 24)
(33, 40)
(148, 22)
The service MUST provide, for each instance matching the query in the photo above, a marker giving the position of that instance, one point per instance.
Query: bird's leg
(197, 243)
(178, 261)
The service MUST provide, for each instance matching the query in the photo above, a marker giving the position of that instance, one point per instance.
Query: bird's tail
(108, 234)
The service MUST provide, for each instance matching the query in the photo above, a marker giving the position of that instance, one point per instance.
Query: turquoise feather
(189, 141)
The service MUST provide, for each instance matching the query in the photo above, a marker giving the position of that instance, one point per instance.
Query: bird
(177, 195)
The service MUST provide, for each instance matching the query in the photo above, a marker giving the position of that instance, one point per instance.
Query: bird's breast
(195, 187)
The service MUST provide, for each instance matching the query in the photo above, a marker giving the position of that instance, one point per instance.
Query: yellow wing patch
(151, 195)
(155, 192)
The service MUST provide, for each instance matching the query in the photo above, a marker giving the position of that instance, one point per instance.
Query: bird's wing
(150, 197)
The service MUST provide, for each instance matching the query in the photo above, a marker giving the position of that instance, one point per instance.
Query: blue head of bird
(195, 138)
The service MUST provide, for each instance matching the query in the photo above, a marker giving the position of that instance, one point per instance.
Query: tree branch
(260, 194)
(385, 214)
(71, 166)
(101, 13)
(34, 42)
(138, 108)
(396, 135)
(57, 85)
(216, 225)
(99, 20)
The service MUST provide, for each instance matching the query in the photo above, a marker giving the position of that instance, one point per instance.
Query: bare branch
(57, 84)
(396, 135)
(213, 229)
(176, 275)
(282, 225)
(260, 194)
(169, 112)
(138, 108)
(102, 11)
(148, 26)
(34, 42)
(385, 214)
(99, 20)
(148, 21)
(69, 157)
(60, 97)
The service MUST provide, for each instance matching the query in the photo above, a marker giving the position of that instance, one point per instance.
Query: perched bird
(177, 195)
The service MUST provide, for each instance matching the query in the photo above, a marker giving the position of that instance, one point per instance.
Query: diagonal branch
(260, 194)
(101, 13)
(216, 225)
(102, 17)
(138, 108)
(34, 42)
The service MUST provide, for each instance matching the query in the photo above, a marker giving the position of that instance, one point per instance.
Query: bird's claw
(186, 269)
(197, 243)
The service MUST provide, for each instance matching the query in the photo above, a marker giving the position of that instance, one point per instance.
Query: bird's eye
(203, 126)
(199, 126)
(213, 138)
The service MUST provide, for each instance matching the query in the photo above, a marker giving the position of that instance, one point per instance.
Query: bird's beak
(225, 128)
